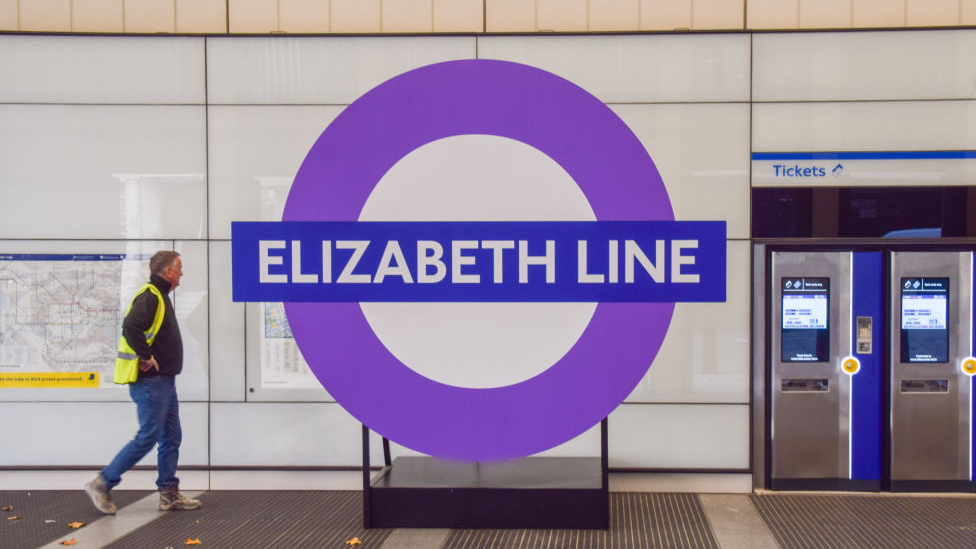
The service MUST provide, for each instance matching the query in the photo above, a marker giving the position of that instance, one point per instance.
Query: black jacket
(168, 346)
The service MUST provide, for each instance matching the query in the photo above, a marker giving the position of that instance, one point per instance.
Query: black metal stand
(540, 492)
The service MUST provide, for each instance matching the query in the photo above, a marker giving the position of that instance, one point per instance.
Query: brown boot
(172, 500)
(100, 495)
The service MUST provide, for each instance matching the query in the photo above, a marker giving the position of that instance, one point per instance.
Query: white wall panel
(331, 70)
(705, 356)
(91, 171)
(636, 68)
(864, 126)
(869, 126)
(101, 69)
(586, 444)
(191, 303)
(680, 436)
(255, 153)
(255, 434)
(864, 65)
(702, 154)
(317, 434)
(226, 329)
(88, 433)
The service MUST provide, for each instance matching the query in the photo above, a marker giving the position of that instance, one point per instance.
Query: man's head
(167, 265)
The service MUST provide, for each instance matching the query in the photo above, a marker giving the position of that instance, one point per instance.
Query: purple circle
(602, 156)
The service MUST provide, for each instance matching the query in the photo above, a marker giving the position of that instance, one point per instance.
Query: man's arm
(139, 320)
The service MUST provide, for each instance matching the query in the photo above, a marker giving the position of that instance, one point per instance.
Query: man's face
(173, 273)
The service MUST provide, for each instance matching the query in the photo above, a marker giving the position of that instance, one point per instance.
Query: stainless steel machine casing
(930, 401)
(810, 409)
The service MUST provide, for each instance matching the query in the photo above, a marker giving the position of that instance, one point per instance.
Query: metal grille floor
(45, 514)
(868, 521)
(643, 520)
(257, 519)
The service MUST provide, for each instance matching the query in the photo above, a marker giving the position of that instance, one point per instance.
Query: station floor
(324, 519)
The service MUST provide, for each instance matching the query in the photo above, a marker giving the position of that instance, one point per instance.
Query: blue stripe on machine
(866, 385)
(865, 155)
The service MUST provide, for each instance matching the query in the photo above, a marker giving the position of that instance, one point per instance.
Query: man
(154, 392)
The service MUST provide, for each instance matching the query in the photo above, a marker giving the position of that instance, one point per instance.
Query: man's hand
(145, 365)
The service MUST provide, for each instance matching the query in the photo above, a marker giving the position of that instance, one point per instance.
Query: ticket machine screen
(805, 330)
(924, 319)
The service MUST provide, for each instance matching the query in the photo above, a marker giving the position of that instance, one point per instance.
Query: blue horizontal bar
(479, 261)
(865, 155)
(71, 257)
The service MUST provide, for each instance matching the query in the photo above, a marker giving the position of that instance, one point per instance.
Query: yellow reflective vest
(127, 361)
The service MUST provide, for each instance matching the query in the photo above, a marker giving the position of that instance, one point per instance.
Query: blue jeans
(159, 421)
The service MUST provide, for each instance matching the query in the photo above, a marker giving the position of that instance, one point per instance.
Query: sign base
(534, 492)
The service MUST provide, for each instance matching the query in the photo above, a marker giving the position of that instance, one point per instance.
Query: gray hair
(161, 260)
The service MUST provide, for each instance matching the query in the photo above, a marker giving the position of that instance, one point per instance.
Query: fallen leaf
(68, 542)
(354, 541)
(8, 508)
(76, 524)
(191, 541)
(15, 517)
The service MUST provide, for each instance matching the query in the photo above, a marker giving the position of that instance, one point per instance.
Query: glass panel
(101, 69)
(302, 435)
(705, 356)
(644, 68)
(101, 171)
(682, 436)
(255, 152)
(701, 152)
(859, 212)
(782, 213)
(43, 432)
(333, 70)
(846, 66)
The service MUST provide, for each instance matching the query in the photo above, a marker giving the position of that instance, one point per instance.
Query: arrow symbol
(837, 169)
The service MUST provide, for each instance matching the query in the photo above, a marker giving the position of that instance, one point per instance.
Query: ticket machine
(825, 370)
(931, 355)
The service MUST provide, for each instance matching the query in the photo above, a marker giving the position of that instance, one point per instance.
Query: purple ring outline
(612, 169)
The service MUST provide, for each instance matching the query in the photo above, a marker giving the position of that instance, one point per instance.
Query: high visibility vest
(127, 361)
